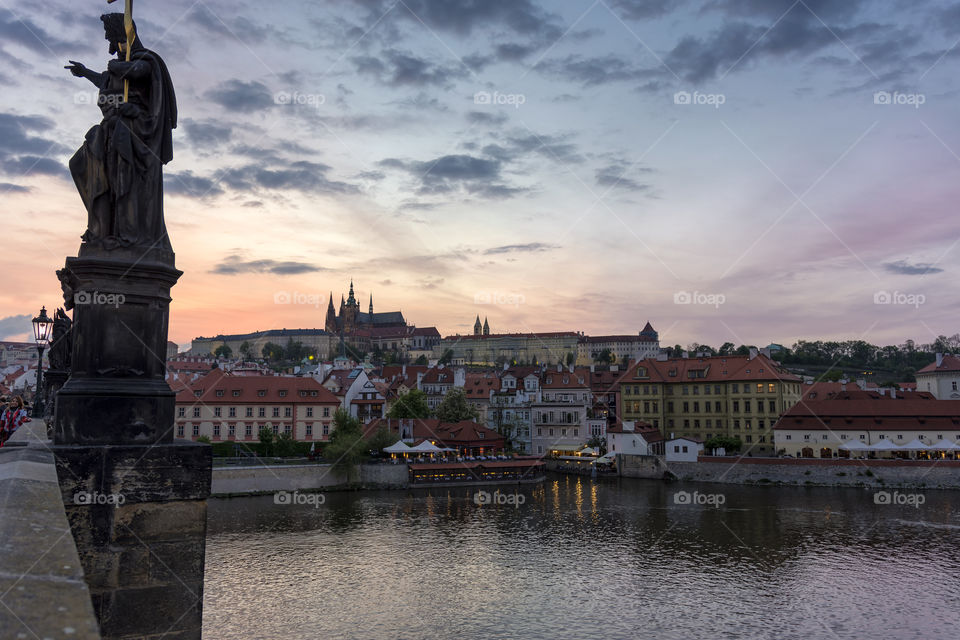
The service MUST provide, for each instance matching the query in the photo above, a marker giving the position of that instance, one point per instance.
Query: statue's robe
(119, 169)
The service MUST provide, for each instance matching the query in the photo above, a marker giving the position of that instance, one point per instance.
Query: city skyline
(783, 164)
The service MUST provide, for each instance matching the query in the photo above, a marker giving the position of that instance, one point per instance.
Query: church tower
(486, 326)
(331, 323)
(476, 326)
(371, 307)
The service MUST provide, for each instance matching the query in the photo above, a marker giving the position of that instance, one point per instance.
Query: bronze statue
(119, 169)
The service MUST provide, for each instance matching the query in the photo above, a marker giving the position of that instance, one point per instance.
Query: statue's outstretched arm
(77, 69)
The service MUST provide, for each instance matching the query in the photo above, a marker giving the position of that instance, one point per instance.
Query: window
(746, 406)
(771, 387)
(216, 430)
(789, 437)
(275, 428)
(326, 412)
(824, 437)
(248, 431)
(686, 407)
(282, 393)
(261, 393)
(232, 431)
(232, 412)
(181, 412)
(309, 412)
(276, 412)
(736, 406)
(550, 432)
(686, 390)
(749, 438)
(287, 412)
(735, 388)
(326, 429)
(217, 411)
(676, 448)
(219, 393)
(806, 437)
(286, 429)
(759, 387)
(863, 437)
(196, 412)
(249, 412)
(180, 431)
(262, 412)
(540, 432)
(236, 393)
(684, 448)
(196, 430)
(773, 406)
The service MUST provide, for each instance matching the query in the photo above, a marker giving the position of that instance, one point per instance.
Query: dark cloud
(773, 9)
(550, 147)
(398, 69)
(21, 30)
(643, 9)
(462, 17)
(230, 25)
(240, 96)
(235, 264)
(302, 175)
(617, 176)
(15, 326)
(530, 247)
(184, 183)
(34, 165)
(596, 70)
(486, 117)
(451, 173)
(16, 135)
(208, 133)
(9, 187)
(903, 267)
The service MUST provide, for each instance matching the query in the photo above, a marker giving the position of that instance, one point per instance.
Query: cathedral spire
(351, 300)
(371, 306)
(477, 328)
(486, 326)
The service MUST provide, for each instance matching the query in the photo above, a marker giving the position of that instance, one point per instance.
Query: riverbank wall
(250, 480)
(913, 474)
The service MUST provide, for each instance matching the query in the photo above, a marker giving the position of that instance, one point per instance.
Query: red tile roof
(710, 369)
(869, 410)
(249, 388)
(465, 433)
(950, 363)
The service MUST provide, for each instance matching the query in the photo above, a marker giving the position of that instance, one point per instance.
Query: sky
(749, 171)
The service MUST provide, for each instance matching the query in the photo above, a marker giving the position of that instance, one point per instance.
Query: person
(12, 417)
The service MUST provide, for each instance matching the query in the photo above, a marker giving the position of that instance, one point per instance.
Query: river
(574, 558)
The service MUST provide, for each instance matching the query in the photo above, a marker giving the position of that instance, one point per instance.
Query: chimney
(559, 368)
(403, 371)
(570, 368)
(753, 352)
(592, 368)
(939, 360)
(685, 355)
(893, 393)
(506, 365)
(671, 435)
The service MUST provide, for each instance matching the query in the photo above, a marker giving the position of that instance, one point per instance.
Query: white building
(631, 439)
(683, 450)
(941, 378)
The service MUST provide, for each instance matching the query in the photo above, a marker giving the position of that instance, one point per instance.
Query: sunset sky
(537, 155)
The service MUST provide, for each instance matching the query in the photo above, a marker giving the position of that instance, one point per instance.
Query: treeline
(902, 361)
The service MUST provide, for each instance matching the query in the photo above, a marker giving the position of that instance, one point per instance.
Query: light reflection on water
(585, 560)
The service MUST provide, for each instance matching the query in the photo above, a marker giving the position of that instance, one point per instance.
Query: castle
(351, 319)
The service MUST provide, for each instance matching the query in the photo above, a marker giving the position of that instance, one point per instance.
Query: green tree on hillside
(454, 407)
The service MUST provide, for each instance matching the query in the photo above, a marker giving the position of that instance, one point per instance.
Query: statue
(61, 344)
(119, 168)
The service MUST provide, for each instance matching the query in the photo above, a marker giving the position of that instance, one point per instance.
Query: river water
(574, 558)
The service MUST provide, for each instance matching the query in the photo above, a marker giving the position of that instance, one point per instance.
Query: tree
(726, 349)
(571, 358)
(245, 349)
(598, 443)
(605, 357)
(381, 439)
(421, 360)
(267, 438)
(412, 404)
(223, 351)
(272, 351)
(446, 357)
(454, 407)
(285, 446)
(346, 447)
(731, 445)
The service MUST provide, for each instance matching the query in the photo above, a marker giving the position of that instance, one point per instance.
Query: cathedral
(350, 318)
(481, 330)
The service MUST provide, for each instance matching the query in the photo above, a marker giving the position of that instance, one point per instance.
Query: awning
(916, 445)
(853, 445)
(425, 447)
(883, 445)
(397, 447)
(944, 445)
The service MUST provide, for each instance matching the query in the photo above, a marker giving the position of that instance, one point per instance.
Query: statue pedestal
(117, 393)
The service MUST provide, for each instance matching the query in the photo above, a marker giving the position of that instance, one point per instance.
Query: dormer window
(261, 393)
(236, 393)
(282, 393)
(198, 392)
(219, 393)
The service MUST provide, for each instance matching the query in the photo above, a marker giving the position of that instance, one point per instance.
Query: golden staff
(128, 28)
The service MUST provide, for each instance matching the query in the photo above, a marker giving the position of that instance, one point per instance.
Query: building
(509, 348)
(683, 450)
(510, 406)
(244, 345)
(467, 437)
(735, 396)
(635, 439)
(622, 348)
(816, 429)
(225, 407)
(560, 417)
(350, 318)
(941, 377)
(437, 381)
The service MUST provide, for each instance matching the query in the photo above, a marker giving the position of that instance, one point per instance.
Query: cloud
(643, 9)
(235, 264)
(184, 183)
(593, 71)
(530, 247)
(208, 133)
(21, 30)
(397, 68)
(243, 97)
(462, 17)
(16, 138)
(34, 165)
(458, 172)
(615, 177)
(486, 118)
(9, 187)
(15, 326)
(903, 267)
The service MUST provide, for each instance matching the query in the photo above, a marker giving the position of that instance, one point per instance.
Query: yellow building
(735, 396)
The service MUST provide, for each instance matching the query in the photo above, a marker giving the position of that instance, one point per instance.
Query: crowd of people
(13, 413)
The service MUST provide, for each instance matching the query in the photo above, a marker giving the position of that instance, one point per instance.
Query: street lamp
(42, 326)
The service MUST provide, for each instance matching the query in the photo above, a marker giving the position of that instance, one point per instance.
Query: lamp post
(42, 325)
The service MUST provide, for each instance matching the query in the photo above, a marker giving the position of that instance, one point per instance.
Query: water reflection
(583, 558)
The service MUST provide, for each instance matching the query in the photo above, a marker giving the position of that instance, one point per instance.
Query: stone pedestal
(116, 393)
(139, 518)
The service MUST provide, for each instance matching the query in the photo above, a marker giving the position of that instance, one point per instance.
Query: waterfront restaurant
(871, 424)
(467, 438)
